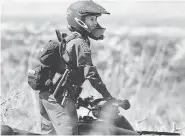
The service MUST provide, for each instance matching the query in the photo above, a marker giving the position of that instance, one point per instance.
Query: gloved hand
(125, 104)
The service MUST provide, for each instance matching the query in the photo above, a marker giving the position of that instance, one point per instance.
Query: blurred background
(142, 58)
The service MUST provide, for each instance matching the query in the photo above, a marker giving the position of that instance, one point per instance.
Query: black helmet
(75, 18)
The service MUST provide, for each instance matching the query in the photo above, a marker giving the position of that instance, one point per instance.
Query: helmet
(76, 14)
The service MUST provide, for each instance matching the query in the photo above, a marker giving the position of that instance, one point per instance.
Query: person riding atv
(82, 22)
(59, 115)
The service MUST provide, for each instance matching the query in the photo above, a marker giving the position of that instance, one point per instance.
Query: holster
(64, 89)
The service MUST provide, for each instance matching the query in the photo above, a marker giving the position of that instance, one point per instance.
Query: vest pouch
(38, 76)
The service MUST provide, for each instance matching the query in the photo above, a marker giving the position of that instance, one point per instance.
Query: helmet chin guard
(97, 33)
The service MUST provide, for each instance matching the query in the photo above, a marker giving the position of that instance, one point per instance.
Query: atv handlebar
(90, 101)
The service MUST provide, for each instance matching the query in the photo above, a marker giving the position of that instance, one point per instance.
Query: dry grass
(146, 68)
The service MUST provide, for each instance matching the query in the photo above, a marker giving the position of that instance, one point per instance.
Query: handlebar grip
(125, 104)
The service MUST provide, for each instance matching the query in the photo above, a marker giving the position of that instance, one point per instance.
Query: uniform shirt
(79, 53)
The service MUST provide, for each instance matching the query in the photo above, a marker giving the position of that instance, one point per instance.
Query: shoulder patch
(86, 47)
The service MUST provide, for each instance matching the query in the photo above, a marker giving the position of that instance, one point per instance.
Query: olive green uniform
(59, 120)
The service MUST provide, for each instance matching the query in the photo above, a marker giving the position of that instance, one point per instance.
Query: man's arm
(91, 73)
(83, 53)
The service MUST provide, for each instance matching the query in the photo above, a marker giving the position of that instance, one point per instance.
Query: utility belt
(64, 89)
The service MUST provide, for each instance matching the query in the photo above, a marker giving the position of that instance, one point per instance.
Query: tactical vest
(52, 58)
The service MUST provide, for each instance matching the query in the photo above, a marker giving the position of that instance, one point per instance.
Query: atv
(105, 119)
